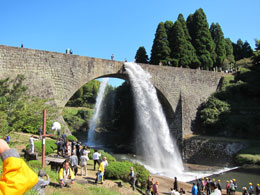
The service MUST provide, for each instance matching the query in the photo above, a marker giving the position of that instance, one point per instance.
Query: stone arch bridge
(58, 76)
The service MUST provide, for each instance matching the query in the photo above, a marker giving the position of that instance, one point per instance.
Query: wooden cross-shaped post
(43, 137)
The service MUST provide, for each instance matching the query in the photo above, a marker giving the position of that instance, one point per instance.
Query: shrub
(50, 146)
(121, 170)
(71, 138)
(110, 158)
(118, 170)
(248, 159)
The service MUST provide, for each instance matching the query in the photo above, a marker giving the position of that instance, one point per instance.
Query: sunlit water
(154, 141)
(97, 112)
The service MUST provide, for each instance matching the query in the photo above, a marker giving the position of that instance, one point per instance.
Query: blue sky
(101, 27)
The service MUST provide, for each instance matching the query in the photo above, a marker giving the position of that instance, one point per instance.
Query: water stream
(154, 141)
(97, 112)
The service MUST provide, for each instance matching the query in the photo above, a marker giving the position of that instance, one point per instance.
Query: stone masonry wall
(58, 76)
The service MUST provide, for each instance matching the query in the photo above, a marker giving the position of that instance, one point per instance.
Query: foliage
(121, 170)
(160, 49)
(218, 37)
(234, 110)
(50, 146)
(181, 48)
(201, 39)
(247, 159)
(71, 138)
(256, 56)
(85, 96)
(77, 118)
(242, 50)
(109, 157)
(20, 112)
(184, 27)
(141, 56)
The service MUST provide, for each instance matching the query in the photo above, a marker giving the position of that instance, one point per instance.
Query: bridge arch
(57, 76)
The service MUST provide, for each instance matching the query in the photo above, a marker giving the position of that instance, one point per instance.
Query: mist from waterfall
(97, 112)
(154, 140)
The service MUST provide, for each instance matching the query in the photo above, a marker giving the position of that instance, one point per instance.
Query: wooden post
(43, 138)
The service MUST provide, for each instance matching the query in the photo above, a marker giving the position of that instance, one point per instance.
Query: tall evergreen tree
(242, 50)
(184, 27)
(229, 50)
(182, 51)
(201, 39)
(168, 25)
(160, 49)
(218, 37)
(141, 56)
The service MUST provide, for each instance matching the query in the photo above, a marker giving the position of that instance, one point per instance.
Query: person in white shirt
(96, 156)
(214, 189)
(84, 162)
(31, 139)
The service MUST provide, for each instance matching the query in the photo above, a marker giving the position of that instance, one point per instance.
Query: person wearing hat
(232, 188)
(40, 186)
(219, 185)
(227, 187)
(250, 189)
(156, 188)
(235, 183)
(257, 189)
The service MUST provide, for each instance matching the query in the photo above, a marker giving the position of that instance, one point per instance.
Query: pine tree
(184, 26)
(201, 39)
(160, 49)
(182, 52)
(242, 50)
(218, 37)
(168, 25)
(229, 51)
(141, 56)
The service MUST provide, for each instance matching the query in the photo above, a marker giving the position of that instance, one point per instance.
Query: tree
(184, 27)
(230, 60)
(182, 50)
(218, 37)
(256, 56)
(141, 56)
(201, 39)
(160, 49)
(168, 25)
(242, 50)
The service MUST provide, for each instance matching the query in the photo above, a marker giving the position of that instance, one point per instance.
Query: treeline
(192, 43)
(234, 110)
(86, 95)
(18, 111)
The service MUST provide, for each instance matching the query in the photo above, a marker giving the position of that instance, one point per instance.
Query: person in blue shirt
(7, 139)
(194, 189)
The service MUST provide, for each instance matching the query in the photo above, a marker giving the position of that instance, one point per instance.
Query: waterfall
(154, 140)
(97, 112)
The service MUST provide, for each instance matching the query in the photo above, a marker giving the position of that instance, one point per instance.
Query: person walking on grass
(96, 157)
(66, 175)
(100, 173)
(132, 178)
(74, 162)
(84, 162)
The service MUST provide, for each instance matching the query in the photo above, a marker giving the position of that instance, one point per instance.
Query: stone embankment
(211, 150)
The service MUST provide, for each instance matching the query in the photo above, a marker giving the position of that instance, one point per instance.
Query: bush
(248, 159)
(71, 138)
(50, 146)
(110, 158)
(121, 170)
